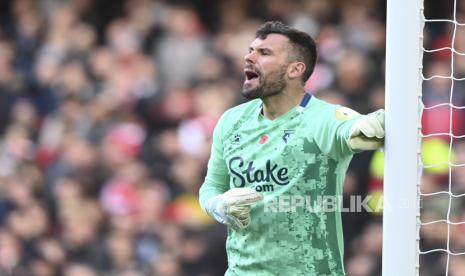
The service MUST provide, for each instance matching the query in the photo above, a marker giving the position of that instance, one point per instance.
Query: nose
(250, 57)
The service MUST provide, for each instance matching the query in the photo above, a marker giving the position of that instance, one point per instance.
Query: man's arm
(217, 178)
(227, 206)
(343, 132)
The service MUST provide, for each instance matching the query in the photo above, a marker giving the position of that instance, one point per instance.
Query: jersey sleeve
(217, 178)
(335, 130)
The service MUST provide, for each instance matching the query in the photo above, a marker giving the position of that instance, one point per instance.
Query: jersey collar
(303, 104)
(299, 109)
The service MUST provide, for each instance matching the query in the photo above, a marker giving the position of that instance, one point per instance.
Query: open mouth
(250, 74)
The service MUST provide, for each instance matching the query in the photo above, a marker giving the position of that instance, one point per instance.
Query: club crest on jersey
(287, 135)
(262, 140)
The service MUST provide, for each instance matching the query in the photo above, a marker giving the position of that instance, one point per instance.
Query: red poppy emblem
(263, 139)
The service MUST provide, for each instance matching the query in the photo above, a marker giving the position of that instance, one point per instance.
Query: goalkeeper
(283, 144)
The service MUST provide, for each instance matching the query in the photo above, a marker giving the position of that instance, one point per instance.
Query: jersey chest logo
(243, 173)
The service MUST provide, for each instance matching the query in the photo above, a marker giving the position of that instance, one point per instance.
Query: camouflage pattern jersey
(295, 160)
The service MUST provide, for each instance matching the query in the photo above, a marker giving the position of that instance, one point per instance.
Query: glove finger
(245, 222)
(380, 115)
(363, 126)
(239, 223)
(233, 221)
(368, 128)
(372, 128)
(248, 198)
(378, 123)
(239, 210)
(378, 130)
(374, 144)
(362, 143)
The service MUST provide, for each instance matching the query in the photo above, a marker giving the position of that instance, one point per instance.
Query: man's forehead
(272, 41)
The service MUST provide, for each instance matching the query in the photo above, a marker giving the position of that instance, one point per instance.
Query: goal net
(424, 222)
(442, 189)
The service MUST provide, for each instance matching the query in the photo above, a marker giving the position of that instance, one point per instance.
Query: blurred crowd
(106, 115)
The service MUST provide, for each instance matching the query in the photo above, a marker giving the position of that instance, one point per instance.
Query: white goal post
(404, 27)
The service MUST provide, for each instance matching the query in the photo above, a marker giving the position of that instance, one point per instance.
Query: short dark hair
(302, 43)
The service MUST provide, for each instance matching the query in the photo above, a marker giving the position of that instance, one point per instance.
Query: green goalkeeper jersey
(297, 161)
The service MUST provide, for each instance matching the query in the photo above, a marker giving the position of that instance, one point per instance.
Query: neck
(276, 105)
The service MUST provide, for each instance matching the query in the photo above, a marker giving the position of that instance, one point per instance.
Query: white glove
(368, 132)
(233, 207)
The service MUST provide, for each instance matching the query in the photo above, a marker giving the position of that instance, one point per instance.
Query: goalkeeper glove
(233, 207)
(368, 132)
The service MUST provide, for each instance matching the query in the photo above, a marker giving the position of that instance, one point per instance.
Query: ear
(296, 70)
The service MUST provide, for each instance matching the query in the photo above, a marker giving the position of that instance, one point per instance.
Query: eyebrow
(260, 49)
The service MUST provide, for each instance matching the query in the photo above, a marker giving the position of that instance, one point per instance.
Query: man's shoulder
(239, 111)
(322, 104)
(332, 111)
(233, 118)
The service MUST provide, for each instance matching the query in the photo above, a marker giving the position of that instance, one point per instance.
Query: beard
(272, 84)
